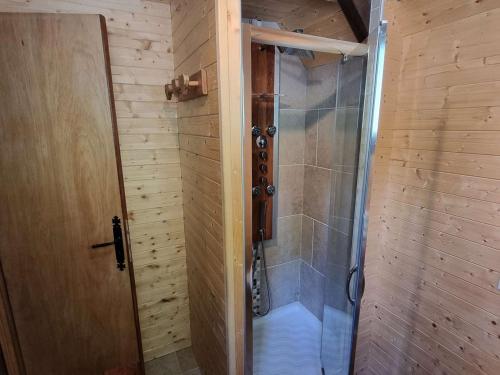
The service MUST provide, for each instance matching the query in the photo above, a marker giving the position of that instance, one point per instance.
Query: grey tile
(321, 86)
(291, 136)
(344, 194)
(333, 185)
(337, 275)
(340, 250)
(317, 193)
(310, 137)
(289, 240)
(335, 295)
(345, 138)
(327, 141)
(322, 244)
(290, 188)
(350, 82)
(293, 78)
(272, 255)
(307, 238)
(312, 286)
(284, 283)
(166, 365)
(186, 359)
(341, 224)
(331, 250)
(338, 138)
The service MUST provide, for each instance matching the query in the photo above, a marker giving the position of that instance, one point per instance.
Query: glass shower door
(353, 140)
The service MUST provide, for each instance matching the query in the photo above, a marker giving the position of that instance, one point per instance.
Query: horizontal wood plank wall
(194, 44)
(434, 253)
(140, 42)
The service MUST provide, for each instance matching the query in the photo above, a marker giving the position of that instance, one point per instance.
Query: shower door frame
(371, 117)
(276, 37)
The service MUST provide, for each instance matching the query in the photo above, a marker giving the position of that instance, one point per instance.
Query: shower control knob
(263, 180)
(256, 131)
(263, 155)
(256, 191)
(263, 168)
(271, 131)
(261, 141)
(270, 189)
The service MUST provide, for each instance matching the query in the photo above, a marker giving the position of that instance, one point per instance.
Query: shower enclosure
(306, 279)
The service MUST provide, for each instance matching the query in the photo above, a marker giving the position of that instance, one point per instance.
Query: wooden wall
(194, 44)
(433, 258)
(316, 17)
(140, 42)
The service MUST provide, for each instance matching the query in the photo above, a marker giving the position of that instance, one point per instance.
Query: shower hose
(260, 253)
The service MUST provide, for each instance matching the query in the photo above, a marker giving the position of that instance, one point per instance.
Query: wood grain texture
(263, 61)
(317, 17)
(63, 189)
(433, 257)
(194, 40)
(140, 39)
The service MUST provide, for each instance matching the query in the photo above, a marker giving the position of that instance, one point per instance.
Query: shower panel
(263, 189)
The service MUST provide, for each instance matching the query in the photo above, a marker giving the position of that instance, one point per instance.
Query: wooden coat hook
(187, 87)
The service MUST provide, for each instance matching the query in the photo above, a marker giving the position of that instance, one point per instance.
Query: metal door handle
(348, 286)
(118, 242)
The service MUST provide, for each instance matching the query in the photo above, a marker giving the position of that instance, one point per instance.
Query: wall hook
(187, 87)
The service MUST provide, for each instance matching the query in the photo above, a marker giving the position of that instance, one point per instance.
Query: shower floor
(287, 341)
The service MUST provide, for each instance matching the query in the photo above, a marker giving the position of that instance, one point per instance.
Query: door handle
(118, 242)
(348, 286)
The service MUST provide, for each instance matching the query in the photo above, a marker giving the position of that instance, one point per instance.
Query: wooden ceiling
(316, 17)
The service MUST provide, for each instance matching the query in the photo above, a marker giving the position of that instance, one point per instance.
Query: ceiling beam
(354, 19)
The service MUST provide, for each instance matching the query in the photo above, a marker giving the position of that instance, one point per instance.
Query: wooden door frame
(234, 180)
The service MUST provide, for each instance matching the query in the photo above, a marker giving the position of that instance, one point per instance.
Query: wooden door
(60, 187)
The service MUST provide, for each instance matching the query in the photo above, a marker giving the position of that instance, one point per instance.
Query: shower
(305, 188)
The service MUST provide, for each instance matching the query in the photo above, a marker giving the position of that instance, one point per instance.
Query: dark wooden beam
(354, 19)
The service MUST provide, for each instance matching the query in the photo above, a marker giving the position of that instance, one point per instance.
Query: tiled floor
(287, 341)
(178, 363)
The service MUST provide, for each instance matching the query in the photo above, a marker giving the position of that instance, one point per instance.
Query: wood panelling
(316, 17)
(433, 258)
(140, 40)
(194, 42)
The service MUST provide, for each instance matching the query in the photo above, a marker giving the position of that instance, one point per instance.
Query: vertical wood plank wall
(194, 43)
(433, 260)
(140, 42)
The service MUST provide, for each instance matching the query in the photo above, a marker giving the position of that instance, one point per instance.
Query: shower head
(307, 54)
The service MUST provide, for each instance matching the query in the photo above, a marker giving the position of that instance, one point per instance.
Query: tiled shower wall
(283, 259)
(317, 157)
